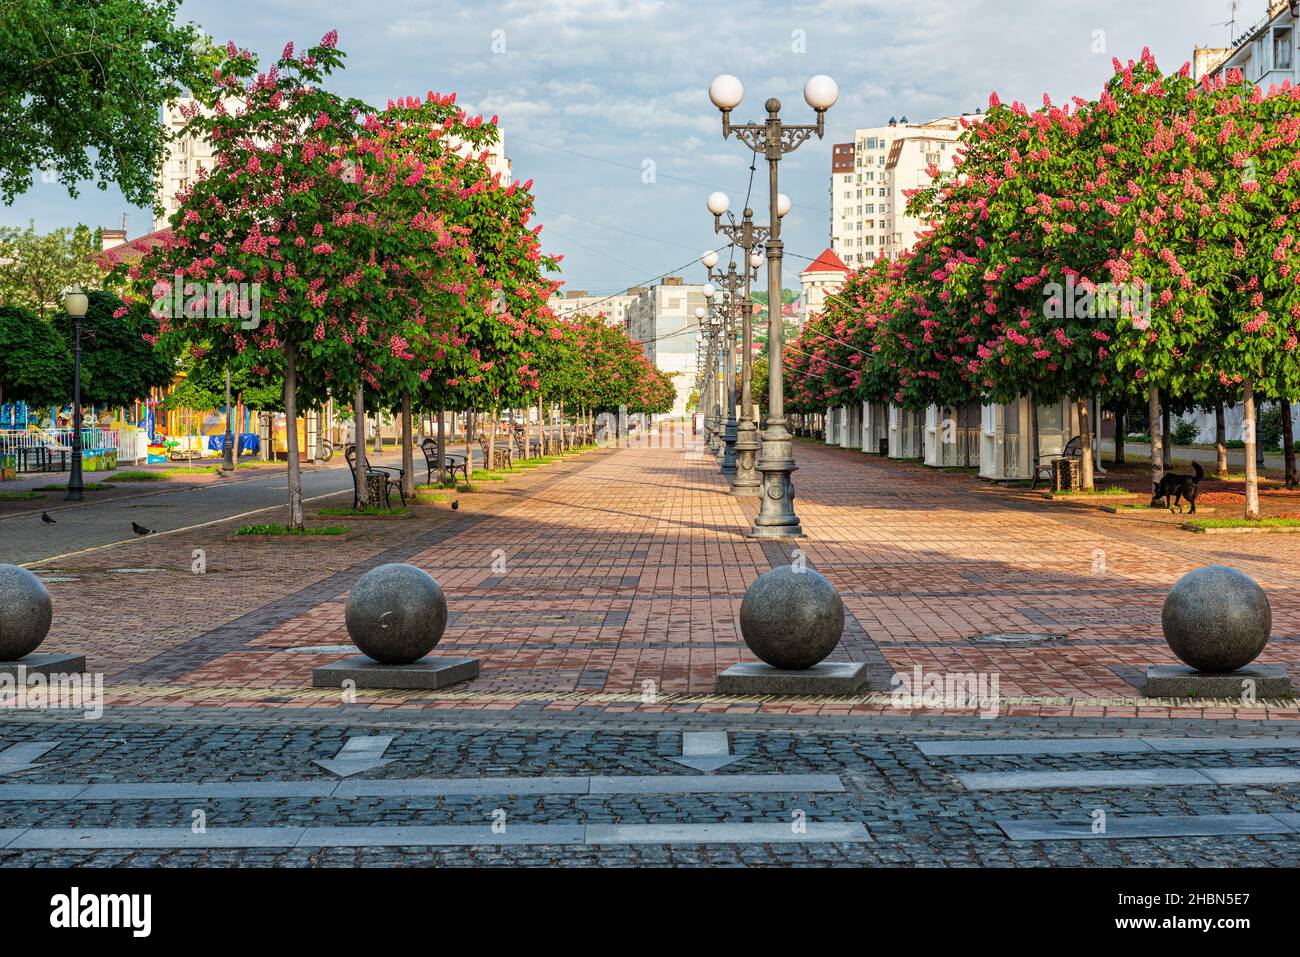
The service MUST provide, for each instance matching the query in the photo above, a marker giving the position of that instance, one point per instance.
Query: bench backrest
(430, 449)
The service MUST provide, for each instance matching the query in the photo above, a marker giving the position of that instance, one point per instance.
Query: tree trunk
(1157, 451)
(492, 424)
(1121, 427)
(359, 443)
(1033, 434)
(1166, 437)
(1251, 437)
(408, 451)
(1220, 441)
(541, 426)
(469, 444)
(291, 436)
(1085, 445)
(442, 446)
(1288, 444)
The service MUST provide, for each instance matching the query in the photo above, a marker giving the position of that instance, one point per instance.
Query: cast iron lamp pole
(228, 447)
(773, 139)
(731, 303)
(75, 303)
(749, 238)
(714, 418)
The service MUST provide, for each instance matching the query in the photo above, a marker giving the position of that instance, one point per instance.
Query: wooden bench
(377, 476)
(1043, 466)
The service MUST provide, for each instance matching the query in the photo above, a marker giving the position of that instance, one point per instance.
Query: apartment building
(1266, 52)
(186, 154)
(869, 180)
(614, 308)
(662, 319)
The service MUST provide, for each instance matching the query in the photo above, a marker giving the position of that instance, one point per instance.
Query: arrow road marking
(359, 754)
(18, 758)
(705, 750)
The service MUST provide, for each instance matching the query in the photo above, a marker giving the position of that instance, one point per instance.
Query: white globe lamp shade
(726, 91)
(75, 302)
(709, 291)
(755, 260)
(782, 204)
(821, 92)
(710, 259)
(700, 312)
(719, 203)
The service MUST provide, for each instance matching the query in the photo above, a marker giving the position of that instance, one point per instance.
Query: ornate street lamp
(773, 139)
(714, 419)
(749, 238)
(734, 303)
(228, 447)
(75, 303)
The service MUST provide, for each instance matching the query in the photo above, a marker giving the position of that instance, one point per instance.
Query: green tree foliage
(36, 268)
(119, 362)
(82, 83)
(34, 359)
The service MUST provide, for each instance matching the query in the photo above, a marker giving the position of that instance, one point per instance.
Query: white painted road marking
(18, 758)
(705, 750)
(360, 753)
(98, 838)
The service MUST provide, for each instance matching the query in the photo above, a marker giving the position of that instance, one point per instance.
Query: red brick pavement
(624, 571)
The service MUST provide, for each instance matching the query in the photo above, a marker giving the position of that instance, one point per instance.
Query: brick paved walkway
(623, 574)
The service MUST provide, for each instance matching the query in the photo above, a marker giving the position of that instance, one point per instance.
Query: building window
(1282, 48)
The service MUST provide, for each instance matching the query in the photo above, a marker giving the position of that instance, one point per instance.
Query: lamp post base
(776, 517)
(76, 484)
(729, 448)
(747, 483)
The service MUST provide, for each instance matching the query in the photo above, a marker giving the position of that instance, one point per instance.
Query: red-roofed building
(823, 277)
(132, 250)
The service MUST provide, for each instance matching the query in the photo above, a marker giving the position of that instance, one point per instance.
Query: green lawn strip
(89, 487)
(286, 530)
(21, 496)
(1244, 523)
(1110, 490)
(139, 476)
(370, 510)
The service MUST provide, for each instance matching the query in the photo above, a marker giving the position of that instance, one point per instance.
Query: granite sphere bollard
(396, 614)
(792, 618)
(1217, 619)
(26, 611)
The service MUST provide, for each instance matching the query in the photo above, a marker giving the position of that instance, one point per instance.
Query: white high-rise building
(185, 154)
(869, 178)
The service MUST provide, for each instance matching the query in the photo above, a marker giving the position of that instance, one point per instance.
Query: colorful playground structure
(40, 439)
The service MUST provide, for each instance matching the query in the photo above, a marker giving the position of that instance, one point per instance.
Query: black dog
(1178, 487)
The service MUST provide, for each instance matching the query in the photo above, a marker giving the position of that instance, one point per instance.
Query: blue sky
(588, 91)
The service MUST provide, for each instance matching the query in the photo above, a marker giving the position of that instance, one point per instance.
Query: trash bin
(1065, 475)
(884, 448)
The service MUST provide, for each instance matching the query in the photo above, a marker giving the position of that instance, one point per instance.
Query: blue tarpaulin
(249, 442)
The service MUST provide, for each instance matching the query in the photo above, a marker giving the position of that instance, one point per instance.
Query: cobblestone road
(913, 808)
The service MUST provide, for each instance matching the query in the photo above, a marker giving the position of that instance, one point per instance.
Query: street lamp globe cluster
(772, 139)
